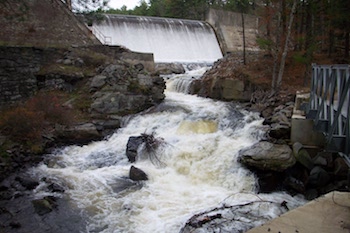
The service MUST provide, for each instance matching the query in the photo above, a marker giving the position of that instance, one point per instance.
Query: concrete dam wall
(170, 40)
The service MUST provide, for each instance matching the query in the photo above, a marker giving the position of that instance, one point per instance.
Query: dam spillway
(170, 40)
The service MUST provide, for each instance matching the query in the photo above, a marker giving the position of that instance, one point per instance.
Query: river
(197, 169)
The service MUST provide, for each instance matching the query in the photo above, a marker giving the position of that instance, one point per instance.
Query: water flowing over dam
(170, 40)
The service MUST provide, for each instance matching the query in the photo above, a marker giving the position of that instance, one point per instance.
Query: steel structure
(329, 106)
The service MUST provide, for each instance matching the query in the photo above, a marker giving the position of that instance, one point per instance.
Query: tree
(242, 6)
(285, 50)
(86, 5)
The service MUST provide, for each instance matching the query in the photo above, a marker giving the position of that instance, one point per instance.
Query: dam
(170, 40)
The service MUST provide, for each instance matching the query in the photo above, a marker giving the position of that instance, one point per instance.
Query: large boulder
(77, 134)
(121, 89)
(267, 156)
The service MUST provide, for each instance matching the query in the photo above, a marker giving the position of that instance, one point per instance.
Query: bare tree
(275, 87)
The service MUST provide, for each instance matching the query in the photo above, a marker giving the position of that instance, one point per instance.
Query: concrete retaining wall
(228, 28)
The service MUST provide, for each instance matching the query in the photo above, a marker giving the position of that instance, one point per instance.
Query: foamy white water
(201, 138)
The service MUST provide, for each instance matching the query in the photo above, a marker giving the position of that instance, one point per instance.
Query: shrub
(27, 122)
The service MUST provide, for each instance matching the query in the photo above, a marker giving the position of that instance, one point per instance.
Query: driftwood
(150, 148)
(241, 218)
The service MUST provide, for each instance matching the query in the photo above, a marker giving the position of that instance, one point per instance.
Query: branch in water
(214, 219)
(151, 146)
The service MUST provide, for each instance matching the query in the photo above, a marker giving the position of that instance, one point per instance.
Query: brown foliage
(27, 122)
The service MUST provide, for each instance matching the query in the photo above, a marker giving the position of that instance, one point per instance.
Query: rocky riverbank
(117, 89)
(279, 164)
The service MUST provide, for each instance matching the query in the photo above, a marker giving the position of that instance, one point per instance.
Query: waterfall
(201, 140)
(182, 82)
(168, 39)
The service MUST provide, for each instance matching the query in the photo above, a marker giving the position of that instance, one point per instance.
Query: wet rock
(267, 156)
(269, 181)
(15, 225)
(137, 174)
(27, 182)
(119, 185)
(169, 68)
(77, 134)
(43, 206)
(302, 156)
(132, 146)
(56, 188)
(294, 184)
(6, 195)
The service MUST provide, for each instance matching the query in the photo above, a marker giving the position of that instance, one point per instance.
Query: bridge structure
(329, 106)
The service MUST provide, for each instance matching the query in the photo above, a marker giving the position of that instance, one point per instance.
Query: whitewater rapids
(202, 138)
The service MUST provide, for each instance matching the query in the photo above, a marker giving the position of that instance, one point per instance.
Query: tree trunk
(243, 32)
(347, 41)
(285, 50)
(69, 4)
(275, 53)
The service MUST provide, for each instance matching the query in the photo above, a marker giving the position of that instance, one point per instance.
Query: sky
(117, 4)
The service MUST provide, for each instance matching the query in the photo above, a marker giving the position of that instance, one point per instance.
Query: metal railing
(329, 106)
(106, 40)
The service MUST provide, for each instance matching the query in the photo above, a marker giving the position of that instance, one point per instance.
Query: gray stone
(267, 156)
(137, 174)
(98, 81)
(42, 206)
(169, 68)
(27, 182)
(302, 156)
(78, 133)
(132, 146)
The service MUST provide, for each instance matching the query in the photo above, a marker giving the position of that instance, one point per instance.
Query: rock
(340, 167)
(229, 89)
(97, 82)
(169, 68)
(77, 134)
(15, 225)
(302, 156)
(318, 177)
(311, 194)
(78, 62)
(27, 182)
(55, 188)
(120, 185)
(279, 131)
(43, 206)
(67, 62)
(319, 160)
(139, 67)
(269, 181)
(131, 148)
(137, 174)
(267, 156)
(294, 184)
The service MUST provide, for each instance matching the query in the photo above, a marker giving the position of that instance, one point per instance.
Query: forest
(305, 29)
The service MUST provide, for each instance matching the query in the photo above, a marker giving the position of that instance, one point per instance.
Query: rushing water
(201, 139)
